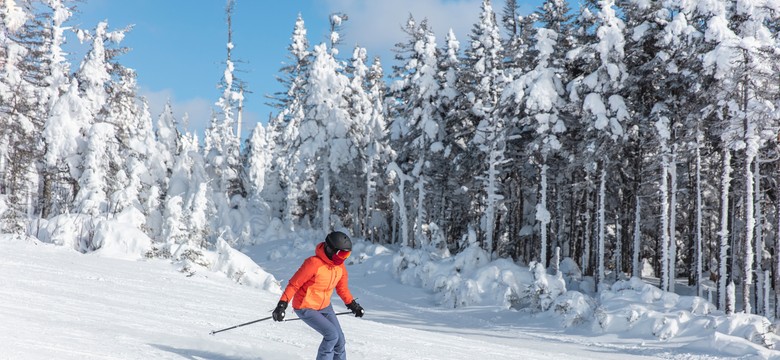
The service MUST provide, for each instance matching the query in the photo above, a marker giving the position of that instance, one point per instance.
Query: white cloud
(376, 25)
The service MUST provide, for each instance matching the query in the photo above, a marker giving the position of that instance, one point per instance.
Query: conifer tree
(481, 85)
(603, 109)
(325, 139)
(378, 155)
(740, 63)
(284, 128)
(18, 115)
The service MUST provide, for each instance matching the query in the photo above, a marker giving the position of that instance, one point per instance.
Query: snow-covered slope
(56, 303)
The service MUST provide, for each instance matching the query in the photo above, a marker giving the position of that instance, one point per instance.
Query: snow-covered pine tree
(676, 45)
(642, 57)
(520, 179)
(92, 197)
(63, 137)
(258, 151)
(122, 171)
(603, 108)
(325, 142)
(13, 15)
(132, 143)
(94, 71)
(519, 42)
(286, 166)
(168, 134)
(186, 205)
(378, 152)
(448, 199)
(510, 16)
(106, 94)
(582, 61)
(18, 116)
(366, 101)
(361, 109)
(147, 171)
(57, 83)
(257, 160)
(741, 62)
(481, 86)
(556, 15)
(222, 146)
(416, 122)
(544, 102)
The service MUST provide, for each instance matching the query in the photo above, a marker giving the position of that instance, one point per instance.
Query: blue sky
(178, 46)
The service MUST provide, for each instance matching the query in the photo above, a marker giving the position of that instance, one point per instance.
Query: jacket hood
(319, 251)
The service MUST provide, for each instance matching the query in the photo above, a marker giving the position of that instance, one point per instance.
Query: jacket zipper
(330, 284)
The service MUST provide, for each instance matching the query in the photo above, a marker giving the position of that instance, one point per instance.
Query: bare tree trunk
(586, 237)
(699, 290)
(673, 220)
(636, 270)
(761, 309)
(602, 225)
(664, 190)
(750, 220)
(724, 230)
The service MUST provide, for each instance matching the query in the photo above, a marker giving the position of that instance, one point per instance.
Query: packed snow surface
(56, 303)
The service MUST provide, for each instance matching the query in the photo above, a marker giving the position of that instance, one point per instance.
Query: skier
(311, 288)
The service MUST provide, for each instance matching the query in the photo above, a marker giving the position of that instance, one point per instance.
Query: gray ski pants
(325, 322)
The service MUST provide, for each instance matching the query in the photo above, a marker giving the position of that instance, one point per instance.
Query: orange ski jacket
(312, 285)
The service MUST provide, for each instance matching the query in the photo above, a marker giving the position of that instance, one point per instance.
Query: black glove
(278, 314)
(356, 308)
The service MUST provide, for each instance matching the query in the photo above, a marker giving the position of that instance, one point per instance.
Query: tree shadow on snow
(193, 354)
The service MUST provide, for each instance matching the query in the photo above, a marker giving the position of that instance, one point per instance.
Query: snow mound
(469, 278)
(120, 240)
(240, 268)
(573, 308)
(121, 237)
(117, 237)
(632, 307)
(628, 307)
(719, 344)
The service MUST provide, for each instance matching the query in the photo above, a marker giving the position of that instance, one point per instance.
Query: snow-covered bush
(121, 237)
(573, 308)
(544, 289)
(67, 230)
(469, 278)
(571, 273)
(647, 269)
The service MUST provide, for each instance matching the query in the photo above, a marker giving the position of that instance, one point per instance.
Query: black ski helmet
(339, 241)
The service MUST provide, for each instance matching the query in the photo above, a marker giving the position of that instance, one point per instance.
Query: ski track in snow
(58, 304)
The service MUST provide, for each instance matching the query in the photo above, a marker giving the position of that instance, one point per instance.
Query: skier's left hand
(356, 308)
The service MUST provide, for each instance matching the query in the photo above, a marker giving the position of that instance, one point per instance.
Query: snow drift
(627, 307)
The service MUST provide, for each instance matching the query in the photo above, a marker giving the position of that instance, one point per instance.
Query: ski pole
(239, 325)
(263, 319)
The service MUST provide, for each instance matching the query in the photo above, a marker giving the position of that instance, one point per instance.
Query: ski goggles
(343, 254)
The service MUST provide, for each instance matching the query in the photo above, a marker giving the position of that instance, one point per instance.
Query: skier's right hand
(278, 314)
